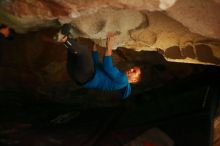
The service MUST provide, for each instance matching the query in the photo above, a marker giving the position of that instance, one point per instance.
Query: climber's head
(6, 32)
(134, 74)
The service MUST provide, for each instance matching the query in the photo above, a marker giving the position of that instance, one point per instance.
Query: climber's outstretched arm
(109, 44)
(108, 66)
(95, 54)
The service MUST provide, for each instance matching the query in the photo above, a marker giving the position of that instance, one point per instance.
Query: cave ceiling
(154, 34)
(150, 33)
(181, 30)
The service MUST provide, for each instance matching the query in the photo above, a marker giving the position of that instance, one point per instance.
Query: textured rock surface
(200, 16)
(96, 26)
(179, 31)
(33, 62)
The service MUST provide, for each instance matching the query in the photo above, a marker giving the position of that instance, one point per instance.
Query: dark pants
(80, 64)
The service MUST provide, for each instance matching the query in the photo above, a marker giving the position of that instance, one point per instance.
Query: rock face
(185, 31)
(34, 62)
(96, 26)
(181, 30)
(30, 61)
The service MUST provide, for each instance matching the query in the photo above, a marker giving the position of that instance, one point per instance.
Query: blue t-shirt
(107, 77)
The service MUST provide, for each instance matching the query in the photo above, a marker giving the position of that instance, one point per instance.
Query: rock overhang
(182, 31)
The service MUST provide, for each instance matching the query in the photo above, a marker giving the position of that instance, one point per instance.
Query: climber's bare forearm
(108, 51)
(109, 44)
(94, 48)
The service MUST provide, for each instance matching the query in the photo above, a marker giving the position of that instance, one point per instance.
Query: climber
(6, 32)
(87, 71)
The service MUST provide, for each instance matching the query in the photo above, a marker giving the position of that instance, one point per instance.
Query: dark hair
(11, 35)
(3, 26)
